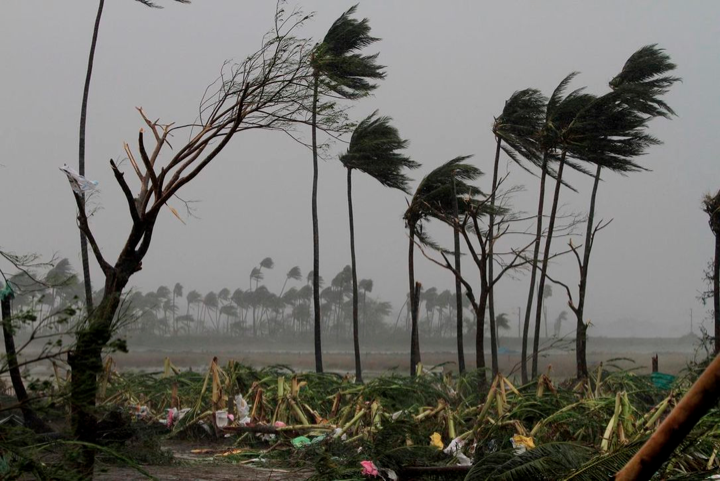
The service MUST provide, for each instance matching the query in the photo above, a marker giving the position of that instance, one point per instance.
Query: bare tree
(267, 91)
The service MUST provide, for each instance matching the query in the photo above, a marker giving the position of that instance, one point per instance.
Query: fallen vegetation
(433, 426)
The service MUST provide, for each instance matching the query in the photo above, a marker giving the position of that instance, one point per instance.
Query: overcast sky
(450, 67)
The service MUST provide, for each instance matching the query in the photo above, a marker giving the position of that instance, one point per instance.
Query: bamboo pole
(701, 397)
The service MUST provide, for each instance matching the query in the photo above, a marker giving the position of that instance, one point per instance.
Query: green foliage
(547, 462)
(434, 195)
(373, 150)
(339, 67)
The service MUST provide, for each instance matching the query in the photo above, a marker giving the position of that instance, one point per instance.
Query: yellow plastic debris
(520, 440)
(436, 440)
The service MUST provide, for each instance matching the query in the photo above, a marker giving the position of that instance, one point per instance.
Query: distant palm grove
(252, 311)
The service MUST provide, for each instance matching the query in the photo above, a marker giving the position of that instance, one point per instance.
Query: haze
(450, 67)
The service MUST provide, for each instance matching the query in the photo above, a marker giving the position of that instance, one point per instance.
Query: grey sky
(451, 65)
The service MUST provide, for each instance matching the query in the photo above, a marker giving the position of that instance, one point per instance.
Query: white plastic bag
(242, 408)
(78, 183)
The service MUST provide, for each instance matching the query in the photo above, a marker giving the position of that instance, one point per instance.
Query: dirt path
(201, 466)
(218, 472)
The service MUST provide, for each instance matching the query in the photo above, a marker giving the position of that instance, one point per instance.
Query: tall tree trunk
(32, 420)
(81, 154)
(414, 291)
(356, 327)
(543, 272)
(86, 364)
(316, 231)
(458, 284)
(533, 271)
(490, 269)
(581, 339)
(480, 336)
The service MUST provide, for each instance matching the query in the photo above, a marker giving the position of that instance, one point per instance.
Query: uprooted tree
(268, 90)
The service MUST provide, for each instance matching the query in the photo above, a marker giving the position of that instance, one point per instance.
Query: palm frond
(546, 462)
(434, 194)
(373, 149)
(341, 68)
(643, 80)
(603, 468)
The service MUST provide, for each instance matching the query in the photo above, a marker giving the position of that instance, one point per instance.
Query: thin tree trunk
(543, 272)
(533, 271)
(491, 276)
(316, 232)
(32, 420)
(86, 364)
(356, 327)
(581, 336)
(458, 284)
(480, 336)
(414, 334)
(81, 154)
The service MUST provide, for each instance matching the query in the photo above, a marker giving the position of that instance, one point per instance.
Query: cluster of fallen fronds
(434, 425)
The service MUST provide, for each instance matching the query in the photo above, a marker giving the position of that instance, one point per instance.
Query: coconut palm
(433, 195)
(238, 298)
(515, 132)
(546, 294)
(609, 132)
(256, 272)
(294, 274)
(374, 150)
(365, 285)
(558, 323)
(177, 292)
(81, 146)
(559, 113)
(637, 87)
(193, 297)
(210, 302)
(341, 71)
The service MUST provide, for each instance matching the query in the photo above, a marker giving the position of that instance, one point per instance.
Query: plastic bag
(78, 183)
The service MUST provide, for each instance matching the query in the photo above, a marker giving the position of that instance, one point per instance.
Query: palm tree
(341, 72)
(294, 274)
(560, 113)
(558, 323)
(638, 87)
(610, 132)
(256, 272)
(210, 301)
(546, 294)
(365, 285)
(177, 292)
(433, 195)
(81, 146)
(193, 297)
(515, 133)
(374, 150)
(502, 322)
(238, 298)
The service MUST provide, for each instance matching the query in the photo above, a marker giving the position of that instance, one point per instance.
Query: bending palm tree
(517, 126)
(373, 150)
(637, 87)
(434, 194)
(81, 147)
(338, 70)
